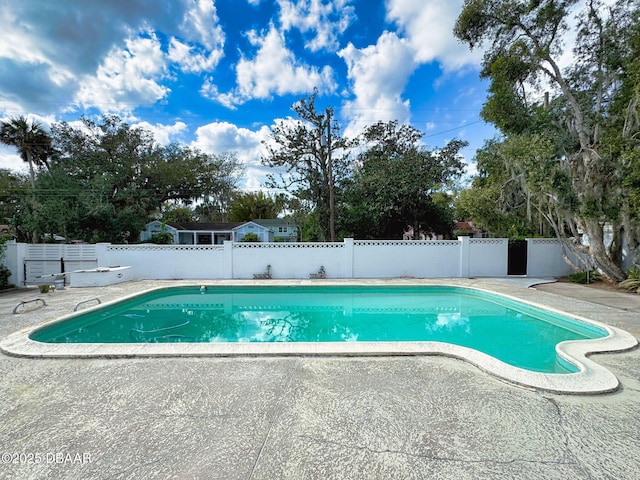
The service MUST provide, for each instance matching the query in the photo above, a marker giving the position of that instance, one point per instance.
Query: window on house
(204, 239)
(185, 238)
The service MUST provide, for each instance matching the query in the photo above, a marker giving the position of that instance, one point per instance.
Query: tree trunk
(598, 251)
(615, 250)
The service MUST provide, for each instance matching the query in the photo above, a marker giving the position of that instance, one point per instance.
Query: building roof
(206, 226)
(268, 223)
(467, 227)
(273, 222)
(251, 226)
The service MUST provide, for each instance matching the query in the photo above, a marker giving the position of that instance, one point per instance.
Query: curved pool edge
(591, 378)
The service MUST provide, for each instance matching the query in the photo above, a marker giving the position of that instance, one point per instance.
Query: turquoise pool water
(508, 330)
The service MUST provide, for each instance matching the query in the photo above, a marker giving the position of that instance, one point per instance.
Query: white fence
(545, 258)
(465, 257)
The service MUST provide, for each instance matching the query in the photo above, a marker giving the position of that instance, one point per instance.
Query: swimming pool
(168, 337)
(515, 333)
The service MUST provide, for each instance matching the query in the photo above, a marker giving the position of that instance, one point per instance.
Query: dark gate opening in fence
(517, 257)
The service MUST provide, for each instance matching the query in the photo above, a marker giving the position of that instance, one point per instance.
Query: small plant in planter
(44, 288)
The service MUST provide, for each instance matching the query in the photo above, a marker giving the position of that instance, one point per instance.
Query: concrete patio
(310, 418)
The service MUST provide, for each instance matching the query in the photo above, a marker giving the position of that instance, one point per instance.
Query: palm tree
(30, 139)
(33, 144)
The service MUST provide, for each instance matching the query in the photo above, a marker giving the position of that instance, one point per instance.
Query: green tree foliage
(398, 183)
(172, 213)
(564, 151)
(162, 237)
(34, 146)
(622, 132)
(310, 157)
(109, 178)
(5, 273)
(12, 189)
(251, 205)
(510, 195)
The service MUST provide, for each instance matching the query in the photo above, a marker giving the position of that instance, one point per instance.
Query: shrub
(162, 238)
(5, 273)
(630, 284)
(633, 282)
(634, 272)
(585, 277)
(251, 237)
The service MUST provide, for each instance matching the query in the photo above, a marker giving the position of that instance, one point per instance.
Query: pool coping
(591, 378)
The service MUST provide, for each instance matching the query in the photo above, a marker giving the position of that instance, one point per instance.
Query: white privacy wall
(289, 260)
(465, 257)
(432, 258)
(165, 262)
(488, 257)
(545, 258)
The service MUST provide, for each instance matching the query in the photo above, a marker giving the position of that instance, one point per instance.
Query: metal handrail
(96, 299)
(21, 304)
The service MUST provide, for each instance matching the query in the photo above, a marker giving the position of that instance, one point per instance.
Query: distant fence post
(103, 257)
(348, 258)
(227, 260)
(14, 261)
(465, 256)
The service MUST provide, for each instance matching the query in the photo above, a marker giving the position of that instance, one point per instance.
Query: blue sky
(218, 74)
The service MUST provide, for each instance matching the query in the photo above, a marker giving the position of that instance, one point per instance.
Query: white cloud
(247, 145)
(325, 20)
(273, 71)
(192, 59)
(202, 45)
(210, 90)
(75, 36)
(126, 78)
(10, 160)
(379, 74)
(29, 77)
(67, 51)
(428, 27)
(276, 70)
(219, 137)
(17, 42)
(201, 24)
(222, 137)
(164, 134)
